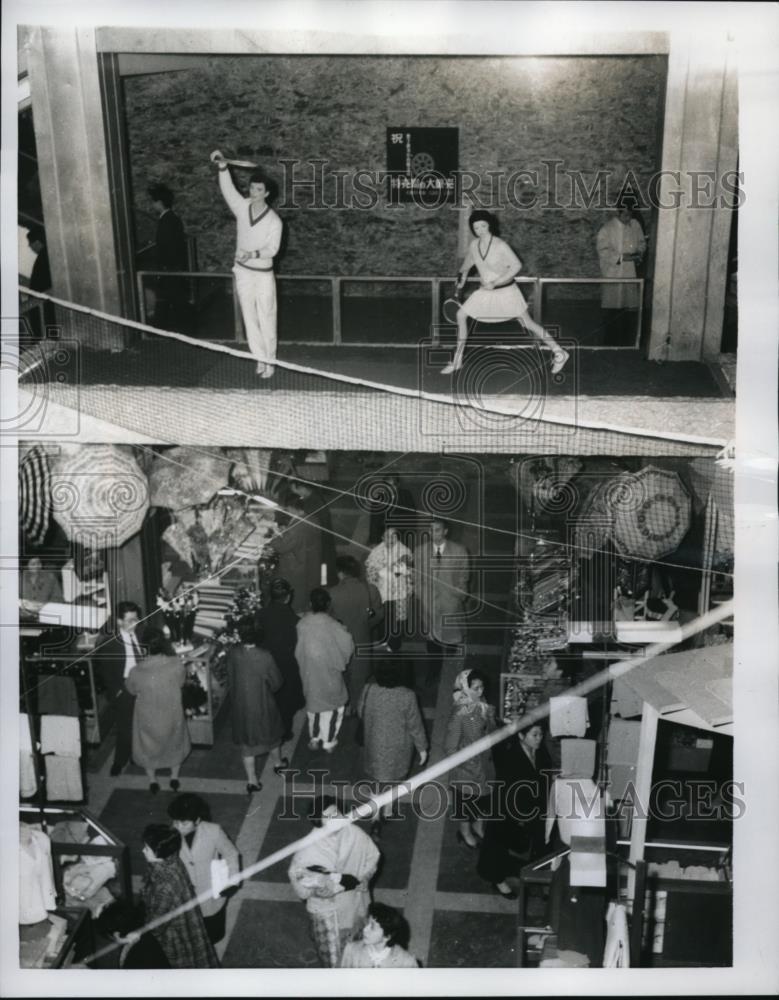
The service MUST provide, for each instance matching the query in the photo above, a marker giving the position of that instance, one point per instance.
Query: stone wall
(514, 114)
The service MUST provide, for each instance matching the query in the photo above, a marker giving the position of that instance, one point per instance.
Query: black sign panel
(422, 164)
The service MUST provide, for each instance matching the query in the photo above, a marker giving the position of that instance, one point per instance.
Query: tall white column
(71, 148)
(700, 148)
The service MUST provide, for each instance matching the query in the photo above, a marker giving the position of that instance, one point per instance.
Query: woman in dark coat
(279, 624)
(522, 767)
(166, 887)
(254, 678)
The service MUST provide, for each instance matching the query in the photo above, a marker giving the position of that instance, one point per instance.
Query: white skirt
(496, 305)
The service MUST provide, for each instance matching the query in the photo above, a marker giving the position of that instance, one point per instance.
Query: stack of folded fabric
(61, 747)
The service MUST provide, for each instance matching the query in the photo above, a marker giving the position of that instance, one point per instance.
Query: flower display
(179, 614)
(227, 530)
(245, 603)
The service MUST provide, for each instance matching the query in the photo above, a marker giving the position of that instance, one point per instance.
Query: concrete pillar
(71, 146)
(700, 148)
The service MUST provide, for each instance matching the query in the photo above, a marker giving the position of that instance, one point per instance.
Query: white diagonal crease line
(369, 808)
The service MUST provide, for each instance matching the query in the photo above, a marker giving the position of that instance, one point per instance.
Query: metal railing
(436, 286)
(544, 283)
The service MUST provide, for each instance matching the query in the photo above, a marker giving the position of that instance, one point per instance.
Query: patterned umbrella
(651, 512)
(185, 477)
(99, 492)
(34, 494)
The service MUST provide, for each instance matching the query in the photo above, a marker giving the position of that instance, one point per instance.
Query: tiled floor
(456, 919)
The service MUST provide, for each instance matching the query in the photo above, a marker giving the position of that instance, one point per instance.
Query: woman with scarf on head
(471, 719)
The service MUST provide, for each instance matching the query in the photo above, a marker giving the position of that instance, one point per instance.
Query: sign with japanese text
(422, 164)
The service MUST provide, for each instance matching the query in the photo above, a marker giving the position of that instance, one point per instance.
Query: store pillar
(71, 146)
(700, 158)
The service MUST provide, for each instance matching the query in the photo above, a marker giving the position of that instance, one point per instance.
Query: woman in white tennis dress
(499, 299)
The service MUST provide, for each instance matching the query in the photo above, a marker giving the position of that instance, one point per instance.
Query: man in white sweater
(257, 242)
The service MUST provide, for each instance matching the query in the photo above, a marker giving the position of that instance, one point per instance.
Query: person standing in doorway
(258, 241)
(40, 281)
(170, 255)
(621, 245)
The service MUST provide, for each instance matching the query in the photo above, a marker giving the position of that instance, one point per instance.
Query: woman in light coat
(393, 728)
(471, 719)
(389, 568)
(160, 733)
(203, 842)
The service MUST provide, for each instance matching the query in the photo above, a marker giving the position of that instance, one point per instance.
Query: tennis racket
(452, 305)
(246, 164)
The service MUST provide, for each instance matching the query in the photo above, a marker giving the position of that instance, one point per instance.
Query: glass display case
(203, 694)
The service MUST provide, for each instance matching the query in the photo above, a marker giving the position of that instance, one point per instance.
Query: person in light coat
(323, 650)
(201, 843)
(333, 877)
(621, 245)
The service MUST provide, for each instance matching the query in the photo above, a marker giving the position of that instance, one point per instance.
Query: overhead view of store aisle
(412, 462)
(461, 921)
(532, 615)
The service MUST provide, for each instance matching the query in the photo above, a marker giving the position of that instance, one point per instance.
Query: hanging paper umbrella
(34, 494)
(651, 512)
(99, 495)
(185, 477)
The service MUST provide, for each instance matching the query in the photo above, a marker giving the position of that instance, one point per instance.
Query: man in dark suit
(116, 658)
(170, 255)
(441, 587)
(357, 605)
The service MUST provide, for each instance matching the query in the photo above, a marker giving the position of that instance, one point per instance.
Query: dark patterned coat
(183, 938)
